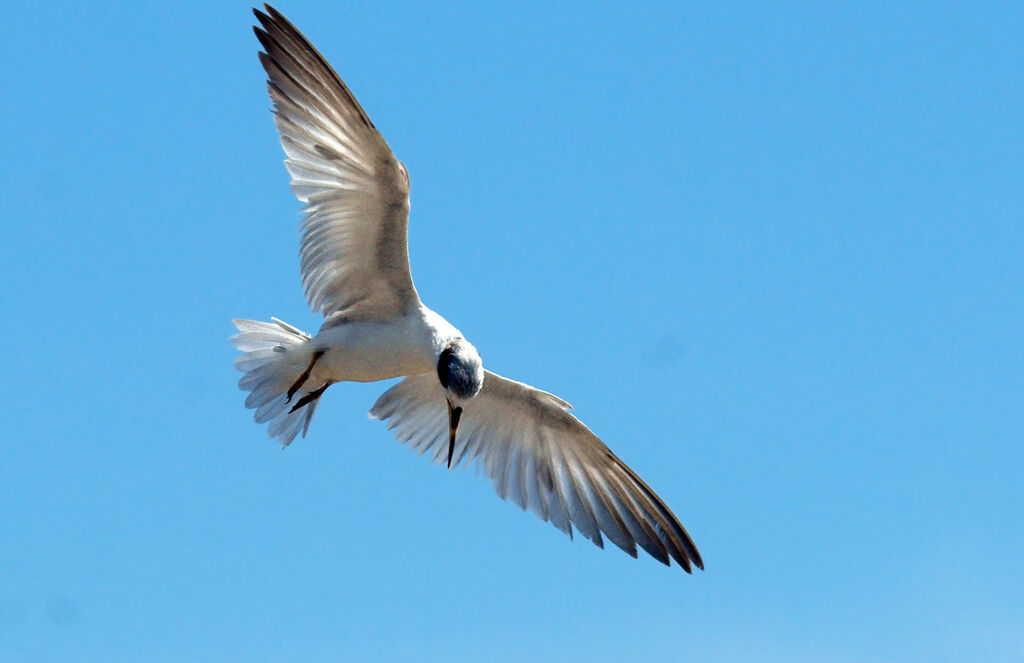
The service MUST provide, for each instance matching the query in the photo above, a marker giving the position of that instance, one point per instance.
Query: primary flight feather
(355, 271)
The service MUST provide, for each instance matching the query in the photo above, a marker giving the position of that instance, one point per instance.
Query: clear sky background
(774, 257)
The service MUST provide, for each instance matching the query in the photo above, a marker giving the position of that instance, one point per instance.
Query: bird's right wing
(542, 458)
(354, 252)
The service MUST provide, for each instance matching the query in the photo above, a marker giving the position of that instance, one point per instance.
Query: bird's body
(371, 350)
(355, 270)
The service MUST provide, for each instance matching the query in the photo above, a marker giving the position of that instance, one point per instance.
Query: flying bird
(355, 271)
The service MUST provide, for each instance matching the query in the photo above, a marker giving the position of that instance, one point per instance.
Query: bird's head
(461, 372)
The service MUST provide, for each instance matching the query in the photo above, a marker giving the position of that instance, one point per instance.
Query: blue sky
(773, 255)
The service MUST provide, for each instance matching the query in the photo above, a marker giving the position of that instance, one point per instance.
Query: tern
(355, 271)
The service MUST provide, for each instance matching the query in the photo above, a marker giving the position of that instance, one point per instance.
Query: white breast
(378, 350)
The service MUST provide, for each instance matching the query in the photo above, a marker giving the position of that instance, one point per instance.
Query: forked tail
(277, 362)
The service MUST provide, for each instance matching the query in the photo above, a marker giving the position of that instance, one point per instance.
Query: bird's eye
(444, 367)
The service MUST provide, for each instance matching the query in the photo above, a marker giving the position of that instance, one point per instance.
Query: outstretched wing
(354, 249)
(542, 458)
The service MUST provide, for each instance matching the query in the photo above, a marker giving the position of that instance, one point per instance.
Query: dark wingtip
(259, 32)
(691, 553)
(272, 17)
(273, 12)
(266, 41)
(690, 560)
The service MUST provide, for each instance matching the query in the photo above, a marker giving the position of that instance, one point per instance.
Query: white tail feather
(275, 356)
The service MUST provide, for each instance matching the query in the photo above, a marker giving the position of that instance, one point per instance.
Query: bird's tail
(277, 361)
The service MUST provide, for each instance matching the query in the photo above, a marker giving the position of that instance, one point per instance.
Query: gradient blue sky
(774, 257)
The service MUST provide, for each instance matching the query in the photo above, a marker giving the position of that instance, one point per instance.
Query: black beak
(454, 414)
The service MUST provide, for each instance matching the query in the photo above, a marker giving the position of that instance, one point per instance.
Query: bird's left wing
(355, 256)
(542, 458)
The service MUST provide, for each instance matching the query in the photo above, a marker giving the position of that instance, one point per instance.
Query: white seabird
(355, 270)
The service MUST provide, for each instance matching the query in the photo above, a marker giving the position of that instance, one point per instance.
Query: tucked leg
(305, 376)
(310, 397)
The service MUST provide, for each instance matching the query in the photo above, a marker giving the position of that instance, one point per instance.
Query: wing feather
(354, 252)
(543, 459)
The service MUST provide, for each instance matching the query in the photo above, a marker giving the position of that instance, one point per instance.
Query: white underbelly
(369, 351)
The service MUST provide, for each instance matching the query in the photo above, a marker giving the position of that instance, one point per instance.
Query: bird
(354, 264)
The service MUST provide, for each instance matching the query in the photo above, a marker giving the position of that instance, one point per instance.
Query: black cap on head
(460, 370)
